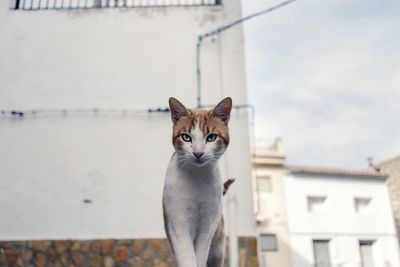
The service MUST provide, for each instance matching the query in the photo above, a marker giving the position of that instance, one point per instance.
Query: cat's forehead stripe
(206, 123)
(197, 132)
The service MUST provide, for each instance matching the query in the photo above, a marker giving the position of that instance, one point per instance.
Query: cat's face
(200, 137)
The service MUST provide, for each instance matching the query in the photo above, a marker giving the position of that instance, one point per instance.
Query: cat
(192, 196)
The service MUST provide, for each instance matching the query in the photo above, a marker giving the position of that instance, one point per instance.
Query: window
(81, 4)
(322, 256)
(362, 205)
(366, 253)
(316, 203)
(268, 242)
(264, 184)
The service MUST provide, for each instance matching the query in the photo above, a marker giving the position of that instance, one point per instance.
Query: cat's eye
(186, 137)
(211, 137)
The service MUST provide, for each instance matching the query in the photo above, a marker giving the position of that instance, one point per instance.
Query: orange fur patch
(208, 124)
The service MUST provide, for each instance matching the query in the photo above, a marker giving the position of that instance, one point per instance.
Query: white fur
(192, 200)
(212, 152)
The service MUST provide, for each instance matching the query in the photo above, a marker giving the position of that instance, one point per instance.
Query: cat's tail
(227, 184)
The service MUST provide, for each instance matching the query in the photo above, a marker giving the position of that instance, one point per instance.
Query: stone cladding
(104, 253)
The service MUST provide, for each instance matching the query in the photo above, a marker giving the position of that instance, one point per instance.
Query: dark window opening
(268, 242)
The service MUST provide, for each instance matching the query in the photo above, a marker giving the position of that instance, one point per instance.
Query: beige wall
(271, 210)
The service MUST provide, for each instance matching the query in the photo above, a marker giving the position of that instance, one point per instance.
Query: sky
(325, 77)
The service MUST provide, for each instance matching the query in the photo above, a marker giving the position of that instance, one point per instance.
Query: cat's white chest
(192, 196)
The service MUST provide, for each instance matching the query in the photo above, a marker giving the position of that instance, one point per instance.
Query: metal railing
(83, 4)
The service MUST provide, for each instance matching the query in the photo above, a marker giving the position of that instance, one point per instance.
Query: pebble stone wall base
(104, 253)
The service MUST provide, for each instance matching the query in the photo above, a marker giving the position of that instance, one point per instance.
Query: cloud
(325, 75)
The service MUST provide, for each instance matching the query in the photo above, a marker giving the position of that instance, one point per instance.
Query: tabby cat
(192, 198)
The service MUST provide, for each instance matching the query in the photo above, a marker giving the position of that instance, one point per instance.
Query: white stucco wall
(111, 58)
(339, 223)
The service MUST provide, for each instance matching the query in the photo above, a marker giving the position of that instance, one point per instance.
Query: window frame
(275, 248)
(364, 242)
(318, 240)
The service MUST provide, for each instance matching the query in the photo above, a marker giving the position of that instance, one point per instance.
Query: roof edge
(340, 172)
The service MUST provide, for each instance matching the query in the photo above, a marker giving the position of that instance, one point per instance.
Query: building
(331, 217)
(85, 137)
(269, 170)
(392, 168)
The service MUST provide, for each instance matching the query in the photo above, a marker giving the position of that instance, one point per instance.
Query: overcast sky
(325, 76)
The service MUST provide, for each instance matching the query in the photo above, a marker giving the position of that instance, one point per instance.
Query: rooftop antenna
(370, 161)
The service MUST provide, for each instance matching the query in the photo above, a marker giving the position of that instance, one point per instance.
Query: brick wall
(104, 253)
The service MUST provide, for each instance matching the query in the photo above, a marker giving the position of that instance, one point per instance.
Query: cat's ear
(178, 110)
(223, 110)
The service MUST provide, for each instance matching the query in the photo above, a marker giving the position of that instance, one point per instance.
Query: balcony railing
(83, 4)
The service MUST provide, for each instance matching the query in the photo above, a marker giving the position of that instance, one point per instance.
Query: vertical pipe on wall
(231, 198)
(233, 235)
(198, 70)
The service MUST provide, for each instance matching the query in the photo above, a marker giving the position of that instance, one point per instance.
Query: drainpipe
(233, 238)
(221, 29)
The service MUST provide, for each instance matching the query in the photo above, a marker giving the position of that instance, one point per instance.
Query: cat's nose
(198, 154)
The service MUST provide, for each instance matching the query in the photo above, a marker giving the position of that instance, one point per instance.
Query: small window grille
(83, 4)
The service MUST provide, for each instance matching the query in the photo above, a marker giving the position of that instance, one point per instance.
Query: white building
(81, 157)
(332, 217)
